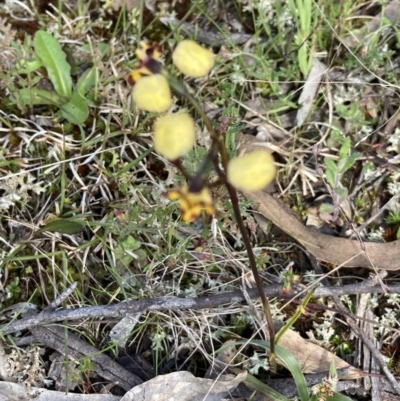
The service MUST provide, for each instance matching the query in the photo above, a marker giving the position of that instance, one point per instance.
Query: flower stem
(257, 279)
(218, 146)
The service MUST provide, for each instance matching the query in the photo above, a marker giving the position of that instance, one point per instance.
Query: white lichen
(267, 8)
(254, 363)
(25, 366)
(18, 188)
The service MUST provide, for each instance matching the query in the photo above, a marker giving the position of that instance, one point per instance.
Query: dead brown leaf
(334, 250)
(311, 357)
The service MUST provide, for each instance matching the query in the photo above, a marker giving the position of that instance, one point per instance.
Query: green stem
(218, 145)
(300, 310)
(197, 183)
(178, 87)
(178, 164)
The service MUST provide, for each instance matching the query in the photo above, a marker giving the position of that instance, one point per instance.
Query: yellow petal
(204, 197)
(191, 214)
(251, 172)
(184, 204)
(173, 195)
(141, 51)
(174, 135)
(138, 74)
(146, 51)
(192, 59)
(152, 93)
(210, 209)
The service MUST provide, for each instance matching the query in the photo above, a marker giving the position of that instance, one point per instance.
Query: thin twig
(370, 345)
(62, 297)
(352, 320)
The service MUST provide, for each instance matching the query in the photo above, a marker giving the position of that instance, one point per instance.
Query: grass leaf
(254, 384)
(64, 226)
(290, 363)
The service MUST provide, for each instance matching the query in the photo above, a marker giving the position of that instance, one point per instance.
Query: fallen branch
(107, 368)
(120, 310)
(18, 392)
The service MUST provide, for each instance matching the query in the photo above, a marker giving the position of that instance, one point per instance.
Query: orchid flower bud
(192, 59)
(152, 93)
(174, 135)
(251, 172)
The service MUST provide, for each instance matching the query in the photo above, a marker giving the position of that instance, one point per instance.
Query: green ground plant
(324, 391)
(334, 173)
(69, 98)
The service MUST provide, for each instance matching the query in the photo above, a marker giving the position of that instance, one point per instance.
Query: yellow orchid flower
(191, 204)
(174, 135)
(147, 56)
(146, 51)
(152, 93)
(192, 59)
(135, 75)
(251, 172)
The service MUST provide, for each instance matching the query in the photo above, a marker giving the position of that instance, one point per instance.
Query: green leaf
(28, 66)
(326, 208)
(331, 177)
(76, 110)
(64, 226)
(122, 255)
(257, 385)
(331, 171)
(398, 233)
(88, 79)
(344, 150)
(342, 192)
(347, 163)
(40, 97)
(330, 164)
(289, 361)
(332, 368)
(55, 60)
(303, 58)
(130, 244)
